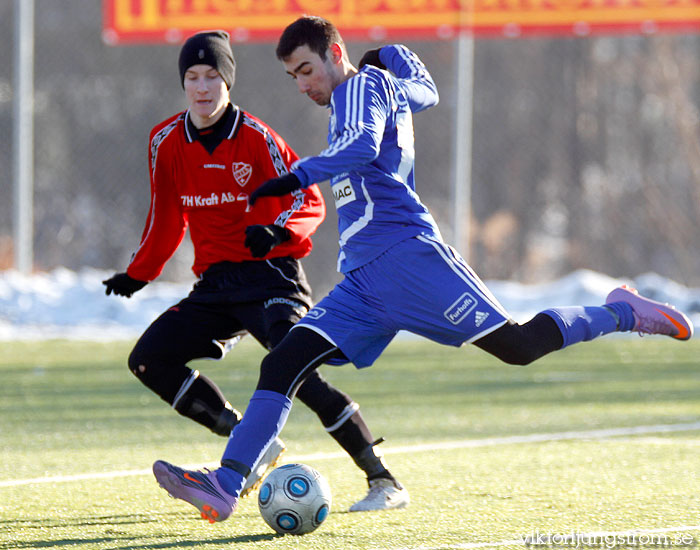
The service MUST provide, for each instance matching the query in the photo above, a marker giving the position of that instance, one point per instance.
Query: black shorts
(245, 282)
(230, 300)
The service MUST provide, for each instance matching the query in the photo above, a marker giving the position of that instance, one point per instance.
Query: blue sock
(263, 420)
(624, 314)
(581, 324)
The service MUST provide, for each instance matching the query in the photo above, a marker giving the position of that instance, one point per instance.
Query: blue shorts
(420, 285)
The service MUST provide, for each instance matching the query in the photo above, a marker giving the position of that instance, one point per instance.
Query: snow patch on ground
(68, 304)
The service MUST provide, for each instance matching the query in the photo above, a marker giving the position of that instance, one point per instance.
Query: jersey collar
(225, 128)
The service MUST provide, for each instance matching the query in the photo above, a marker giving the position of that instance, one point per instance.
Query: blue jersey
(370, 157)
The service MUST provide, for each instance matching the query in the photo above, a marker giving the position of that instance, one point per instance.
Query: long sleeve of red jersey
(166, 223)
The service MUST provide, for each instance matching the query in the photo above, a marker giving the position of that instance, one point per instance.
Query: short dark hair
(317, 33)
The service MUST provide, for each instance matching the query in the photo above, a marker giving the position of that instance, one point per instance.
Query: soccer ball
(294, 499)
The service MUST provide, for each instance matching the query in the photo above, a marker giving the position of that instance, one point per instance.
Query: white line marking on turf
(597, 539)
(439, 446)
(544, 437)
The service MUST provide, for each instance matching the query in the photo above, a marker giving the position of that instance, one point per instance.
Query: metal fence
(586, 151)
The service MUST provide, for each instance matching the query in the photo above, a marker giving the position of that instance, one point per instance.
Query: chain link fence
(586, 151)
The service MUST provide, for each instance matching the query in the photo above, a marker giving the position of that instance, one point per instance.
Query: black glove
(371, 57)
(123, 285)
(263, 238)
(276, 187)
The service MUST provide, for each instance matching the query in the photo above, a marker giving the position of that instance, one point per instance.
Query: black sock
(202, 401)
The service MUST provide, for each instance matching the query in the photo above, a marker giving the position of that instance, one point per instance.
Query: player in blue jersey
(399, 274)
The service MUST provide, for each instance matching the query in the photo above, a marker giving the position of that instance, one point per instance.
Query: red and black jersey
(208, 192)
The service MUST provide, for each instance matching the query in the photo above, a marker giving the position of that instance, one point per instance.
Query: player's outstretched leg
(625, 310)
(201, 489)
(651, 317)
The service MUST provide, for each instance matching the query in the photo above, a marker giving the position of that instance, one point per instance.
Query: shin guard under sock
(581, 324)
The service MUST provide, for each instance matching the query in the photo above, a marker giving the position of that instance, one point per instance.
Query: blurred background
(586, 151)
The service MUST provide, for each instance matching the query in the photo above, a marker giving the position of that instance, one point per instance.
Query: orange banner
(129, 21)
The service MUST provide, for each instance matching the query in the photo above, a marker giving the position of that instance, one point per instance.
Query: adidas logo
(480, 317)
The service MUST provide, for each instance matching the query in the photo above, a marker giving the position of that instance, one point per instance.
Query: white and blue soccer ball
(294, 499)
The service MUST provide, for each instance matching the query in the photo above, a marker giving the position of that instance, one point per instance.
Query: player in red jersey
(203, 164)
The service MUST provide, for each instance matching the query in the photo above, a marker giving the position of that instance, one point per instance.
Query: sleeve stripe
(272, 148)
(299, 199)
(281, 169)
(157, 140)
(160, 138)
(411, 60)
(354, 104)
